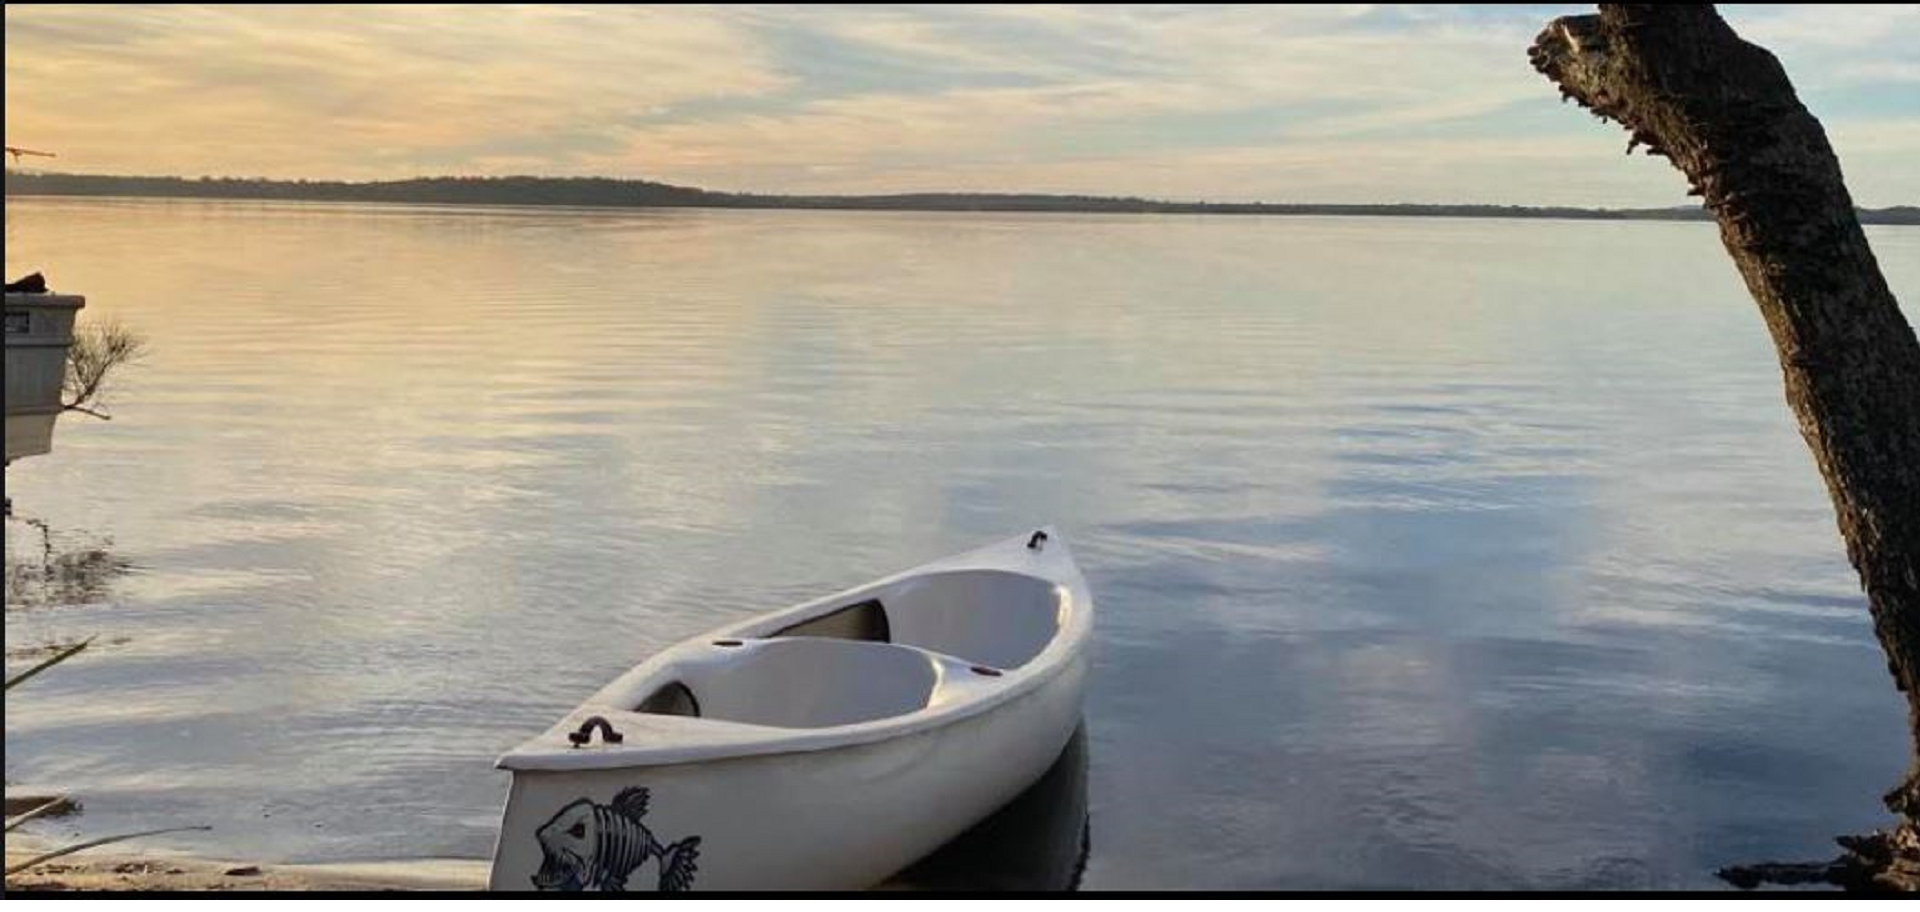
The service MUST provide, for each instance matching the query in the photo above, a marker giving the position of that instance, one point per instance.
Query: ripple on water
(1409, 574)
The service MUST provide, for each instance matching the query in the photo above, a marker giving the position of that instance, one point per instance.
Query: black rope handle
(585, 734)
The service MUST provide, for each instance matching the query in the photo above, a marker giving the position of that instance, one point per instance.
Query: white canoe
(825, 746)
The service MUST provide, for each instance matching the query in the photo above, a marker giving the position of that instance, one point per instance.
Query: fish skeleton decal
(589, 846)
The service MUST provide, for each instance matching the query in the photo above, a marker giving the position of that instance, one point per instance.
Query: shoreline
(126, 871)
(632, 194)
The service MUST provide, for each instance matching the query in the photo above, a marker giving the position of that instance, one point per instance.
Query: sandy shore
(103, 869)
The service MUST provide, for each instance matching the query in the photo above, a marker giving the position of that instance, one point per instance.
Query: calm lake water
(1428, 553)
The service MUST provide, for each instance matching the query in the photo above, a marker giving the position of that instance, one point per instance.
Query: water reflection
(1039, 841)
(81, 571)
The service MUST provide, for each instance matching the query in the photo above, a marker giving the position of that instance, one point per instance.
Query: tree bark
(1723, 112)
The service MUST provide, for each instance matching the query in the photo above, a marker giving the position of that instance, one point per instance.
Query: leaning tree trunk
(1723, 112)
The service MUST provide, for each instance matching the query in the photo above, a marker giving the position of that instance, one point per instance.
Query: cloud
(327, 91)
(1359, 102)
(1811, 30)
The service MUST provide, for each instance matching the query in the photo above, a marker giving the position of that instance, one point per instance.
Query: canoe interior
(865, 620)
(877, 656)
(808, 682)
(987, 617)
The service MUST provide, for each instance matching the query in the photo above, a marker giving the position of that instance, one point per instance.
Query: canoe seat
(809, 682)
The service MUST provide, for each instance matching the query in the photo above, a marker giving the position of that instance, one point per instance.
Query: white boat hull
(837, 819)
(825, 746)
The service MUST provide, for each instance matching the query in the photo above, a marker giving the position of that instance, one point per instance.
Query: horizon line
(694, 193)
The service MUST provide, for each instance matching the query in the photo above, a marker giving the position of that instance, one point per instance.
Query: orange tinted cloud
(1360, 103)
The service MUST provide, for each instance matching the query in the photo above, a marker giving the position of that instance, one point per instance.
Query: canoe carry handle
(585, 734)
(1038, 539)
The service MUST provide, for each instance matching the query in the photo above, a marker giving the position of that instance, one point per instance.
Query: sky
(1354, 103)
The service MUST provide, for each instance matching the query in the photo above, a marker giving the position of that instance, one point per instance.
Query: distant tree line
(622, 193)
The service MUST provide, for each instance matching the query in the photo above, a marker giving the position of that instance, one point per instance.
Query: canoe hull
(838, 818)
